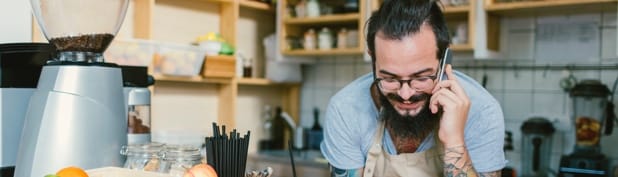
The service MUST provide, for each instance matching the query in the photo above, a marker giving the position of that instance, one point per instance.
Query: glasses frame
(407, 81)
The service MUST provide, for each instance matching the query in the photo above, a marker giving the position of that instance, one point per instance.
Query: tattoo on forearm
(457, 163)
(336, 172)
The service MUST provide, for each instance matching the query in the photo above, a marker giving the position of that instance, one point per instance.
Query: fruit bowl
(122, 172)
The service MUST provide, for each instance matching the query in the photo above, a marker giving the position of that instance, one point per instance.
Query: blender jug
(589, 103)
(536, 147)
(76, 116)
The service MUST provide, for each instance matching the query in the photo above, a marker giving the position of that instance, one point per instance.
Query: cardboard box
(219, 66)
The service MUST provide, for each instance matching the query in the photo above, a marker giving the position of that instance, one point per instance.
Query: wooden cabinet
(495, 10)
(455, 15)
(229, 11)
(294, 28)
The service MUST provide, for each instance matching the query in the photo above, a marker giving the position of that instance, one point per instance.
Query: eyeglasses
(417, 83)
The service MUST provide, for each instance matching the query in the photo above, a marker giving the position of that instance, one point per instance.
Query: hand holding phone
(447, 59)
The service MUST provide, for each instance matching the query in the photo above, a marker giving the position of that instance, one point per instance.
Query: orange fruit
(72, 172)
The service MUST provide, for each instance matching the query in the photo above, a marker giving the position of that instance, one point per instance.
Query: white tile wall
(522, 93)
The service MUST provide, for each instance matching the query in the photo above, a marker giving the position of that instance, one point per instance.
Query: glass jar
(177, 159)
(145, 157)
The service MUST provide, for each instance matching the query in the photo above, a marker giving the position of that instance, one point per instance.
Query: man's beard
(407, 126)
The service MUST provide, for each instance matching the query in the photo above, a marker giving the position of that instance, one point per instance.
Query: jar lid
(537, 125)
(181, 152)
(590, 88)
(149, 149)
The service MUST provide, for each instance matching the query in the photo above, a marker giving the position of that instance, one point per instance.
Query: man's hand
(455, 104)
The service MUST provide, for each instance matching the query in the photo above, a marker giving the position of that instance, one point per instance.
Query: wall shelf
(326, 19)
(528, 8)
(317, 52)
(192, 79)
(261, 82)
(256, 5)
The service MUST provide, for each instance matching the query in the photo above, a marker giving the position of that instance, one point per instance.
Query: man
(401, 120)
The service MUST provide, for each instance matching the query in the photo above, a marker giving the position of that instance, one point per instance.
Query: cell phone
(447, 59)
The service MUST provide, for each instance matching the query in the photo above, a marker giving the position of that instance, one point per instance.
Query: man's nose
(406, 91)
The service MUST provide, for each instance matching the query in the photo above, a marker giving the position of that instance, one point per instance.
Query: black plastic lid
(590, 88)
(537, 125)
(136, 76)
(21, 63)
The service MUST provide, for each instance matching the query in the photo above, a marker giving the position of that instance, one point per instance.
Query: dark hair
(399, 18)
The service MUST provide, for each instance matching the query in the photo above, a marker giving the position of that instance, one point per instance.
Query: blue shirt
(351, 120)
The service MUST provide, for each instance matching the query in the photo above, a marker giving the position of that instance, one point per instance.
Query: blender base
(584, 165)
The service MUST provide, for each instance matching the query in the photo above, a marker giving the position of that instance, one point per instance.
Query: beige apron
(420, 164)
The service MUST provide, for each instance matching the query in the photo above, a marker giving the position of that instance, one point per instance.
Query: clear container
(177, 159)
(130, 52)
(144, 157)
(179, 59)
(80, 30)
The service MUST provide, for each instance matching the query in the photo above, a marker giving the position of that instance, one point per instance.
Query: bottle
(247, 67)
(315, 134)
(310, 40)
(342, 38)
(268, 122)
(277, 131)
(313, 8)
(325, 39)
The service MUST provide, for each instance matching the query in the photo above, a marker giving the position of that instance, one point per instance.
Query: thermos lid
(590, 88)
(537, 125)
(136, 76)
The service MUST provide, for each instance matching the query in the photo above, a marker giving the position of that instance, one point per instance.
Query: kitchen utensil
(137, 102)
(590, 100)
(292, 159)
(536, 146)
(76, 117)
(568, 81)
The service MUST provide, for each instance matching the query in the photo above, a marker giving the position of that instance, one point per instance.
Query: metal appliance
(137, 103)
(590, 113)
(20, 67)
(76, 115)
(536, 147)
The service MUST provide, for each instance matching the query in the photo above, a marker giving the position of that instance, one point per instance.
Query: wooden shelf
(256, 5)
(462, 47)
(317, 52)
(192, 79)
(456, 9)
(547, 7)
(326, 19)
(260, 82)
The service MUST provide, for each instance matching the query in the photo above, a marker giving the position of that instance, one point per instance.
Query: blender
(590, 113)
(76, 116)
(536, 146)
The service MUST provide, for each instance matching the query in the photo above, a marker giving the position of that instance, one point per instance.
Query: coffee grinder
(20, 68)
(76, 115)
(590, 115)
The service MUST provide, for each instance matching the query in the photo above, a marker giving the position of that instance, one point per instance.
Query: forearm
(457, 162)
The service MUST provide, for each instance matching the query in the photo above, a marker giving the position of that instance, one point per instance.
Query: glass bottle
(325, 39)
(313, 8)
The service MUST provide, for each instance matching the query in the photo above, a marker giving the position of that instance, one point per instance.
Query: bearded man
(400, 120)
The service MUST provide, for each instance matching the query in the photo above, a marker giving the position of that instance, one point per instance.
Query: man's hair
(399, 18)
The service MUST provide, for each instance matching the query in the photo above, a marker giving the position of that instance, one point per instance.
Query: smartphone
(442, 68)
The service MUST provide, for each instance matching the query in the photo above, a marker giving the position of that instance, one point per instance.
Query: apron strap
(374, 151)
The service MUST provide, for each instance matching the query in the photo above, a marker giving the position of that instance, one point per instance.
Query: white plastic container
(131, 52)
(179, 59)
